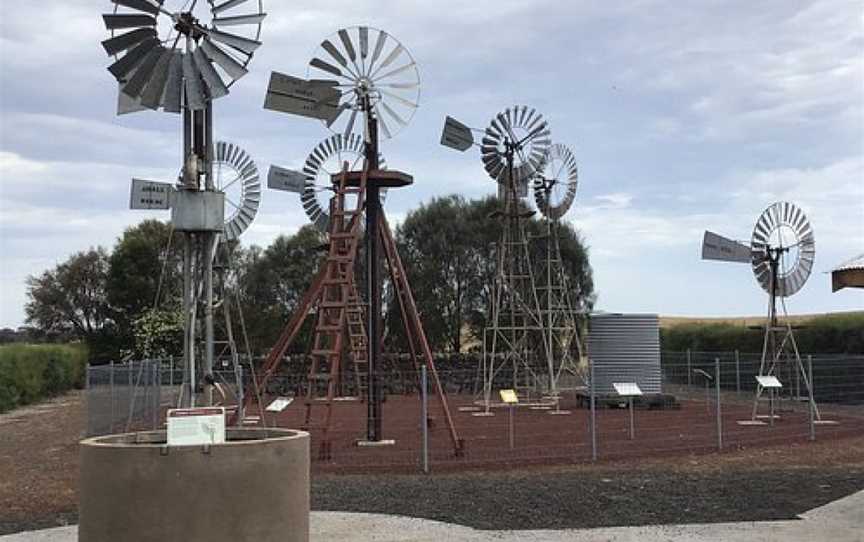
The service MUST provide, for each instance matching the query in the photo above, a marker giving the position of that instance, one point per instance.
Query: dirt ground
(38, 478)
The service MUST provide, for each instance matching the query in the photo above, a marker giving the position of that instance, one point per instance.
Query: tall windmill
(376, 86)
(554, 193)
(781, 253)
(192, 63)
(513, 149)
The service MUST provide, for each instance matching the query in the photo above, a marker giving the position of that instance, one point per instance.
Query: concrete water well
(255, 486)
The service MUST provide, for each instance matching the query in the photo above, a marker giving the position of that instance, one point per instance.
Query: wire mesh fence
(135, 396)
(708, 403)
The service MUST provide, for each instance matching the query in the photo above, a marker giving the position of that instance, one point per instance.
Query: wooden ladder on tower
(340, 315)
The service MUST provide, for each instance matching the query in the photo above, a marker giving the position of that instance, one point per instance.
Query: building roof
(849, 274)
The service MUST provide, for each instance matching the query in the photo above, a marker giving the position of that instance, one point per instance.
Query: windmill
(554, 193)
(513, 149)
(182, 71)
(376, 86)
(781, 253)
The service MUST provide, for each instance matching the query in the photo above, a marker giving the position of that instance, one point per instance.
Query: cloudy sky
(683, 116)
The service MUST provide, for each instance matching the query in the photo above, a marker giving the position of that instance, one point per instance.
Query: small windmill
(513, 149)
(554, 193)
(193, 63)
(781, 253)
(376, 86)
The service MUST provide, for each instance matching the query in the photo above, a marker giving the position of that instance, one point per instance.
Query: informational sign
(717, 247)
(150, 195)
(626, 389)
(286, 179)
(316, 98)
(769, 382)
(509, 396)
(456, 135)
(196, 426)
(279, 404)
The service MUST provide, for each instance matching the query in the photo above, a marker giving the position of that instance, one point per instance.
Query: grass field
(744, 321)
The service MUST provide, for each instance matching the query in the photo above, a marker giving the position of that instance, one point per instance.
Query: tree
(147, 259)
(71, 300)
(273, 281)
(438, 249)
(449, 249)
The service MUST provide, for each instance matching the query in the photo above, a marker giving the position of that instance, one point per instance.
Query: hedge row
(829, 334)
(30, 372)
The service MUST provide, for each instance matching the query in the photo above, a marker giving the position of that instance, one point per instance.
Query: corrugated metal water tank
(625, 348)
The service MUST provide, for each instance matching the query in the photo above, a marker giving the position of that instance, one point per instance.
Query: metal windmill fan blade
(227, 5)
(153, 92)
(456, 135)
(717, 247)
(143, 73)
(215, 86)
(132, 59)
(125, 104)
(195, 99)
(556, 180)
(772, 244)
(115, 22)
(346, 42)
(368, 86)
(233, 158)
(171, 101)
(254, 18)
(125, 41)
(240, 43)
(140, 5)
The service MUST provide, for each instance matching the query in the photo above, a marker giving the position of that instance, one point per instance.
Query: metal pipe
(512, 439)
(593, 411)
(719, 412)
(811, 403)
(189, 333)
(632, 419)
(209, 247)
(737, 372)
(424, 417)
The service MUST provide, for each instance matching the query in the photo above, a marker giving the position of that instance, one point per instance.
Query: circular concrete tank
(254, 487)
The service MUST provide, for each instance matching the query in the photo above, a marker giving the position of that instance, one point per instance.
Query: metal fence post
(689, 374)
(810, 402)
(719, 412)
(111, 389)
(593, 411)
(737, 372)
(424, 422)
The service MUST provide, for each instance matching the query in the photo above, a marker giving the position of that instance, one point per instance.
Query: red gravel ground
(542, 438)
(39, 465)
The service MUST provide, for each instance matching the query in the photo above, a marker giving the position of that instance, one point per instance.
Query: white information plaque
(279, 404)
(769, 382)
(196, 426)
(626, 389)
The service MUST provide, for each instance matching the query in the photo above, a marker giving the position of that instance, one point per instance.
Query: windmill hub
(188, 25)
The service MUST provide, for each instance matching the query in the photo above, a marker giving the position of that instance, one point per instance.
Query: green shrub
(31, 372)
(828, 334)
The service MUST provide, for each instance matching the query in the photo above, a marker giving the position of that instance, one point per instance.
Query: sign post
(771, 384)
(511, 400)
(629, 390)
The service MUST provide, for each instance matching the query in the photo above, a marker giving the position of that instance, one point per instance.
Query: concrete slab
(839, 521)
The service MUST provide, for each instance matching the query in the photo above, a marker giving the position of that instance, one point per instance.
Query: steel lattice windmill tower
(554, 193)
(372, 83)
(513, 149)
(781, 253)
(182, 71)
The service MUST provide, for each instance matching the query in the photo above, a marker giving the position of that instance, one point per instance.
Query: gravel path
(39, 469)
